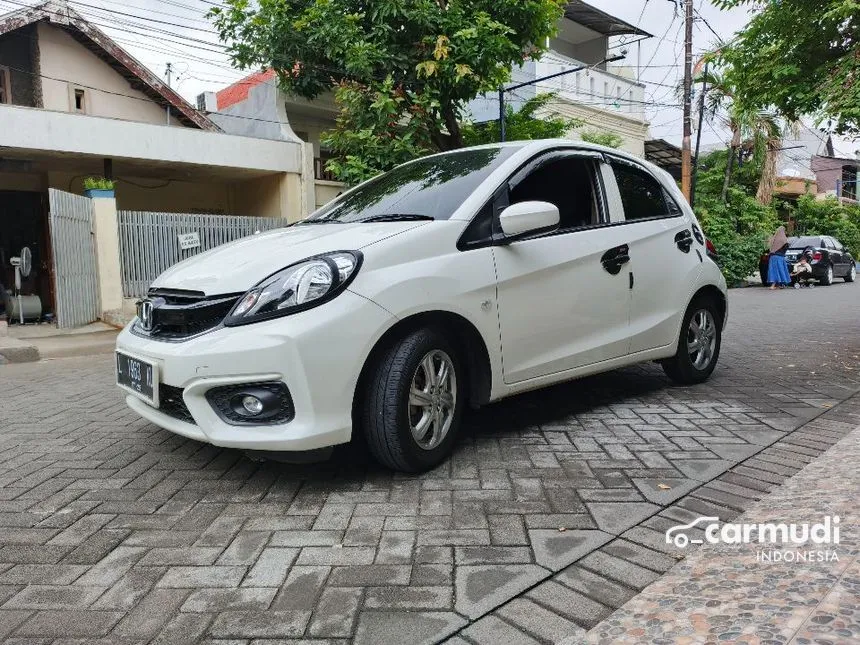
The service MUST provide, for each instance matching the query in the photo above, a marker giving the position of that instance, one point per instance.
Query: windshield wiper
(398, 217)
(318, 221)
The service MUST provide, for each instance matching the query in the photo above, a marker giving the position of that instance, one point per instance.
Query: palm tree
(720, 98)
(763, 130)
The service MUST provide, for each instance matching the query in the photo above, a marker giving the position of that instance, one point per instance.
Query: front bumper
(317, 353)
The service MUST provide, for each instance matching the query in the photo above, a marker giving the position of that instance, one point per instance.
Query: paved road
(550, 514)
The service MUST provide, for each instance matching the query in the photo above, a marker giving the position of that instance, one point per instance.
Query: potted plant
(98, 187)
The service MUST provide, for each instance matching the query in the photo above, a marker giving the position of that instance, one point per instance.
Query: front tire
(414, 401)
(698, 344)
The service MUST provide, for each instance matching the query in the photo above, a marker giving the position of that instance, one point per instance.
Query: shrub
(608, 139)
(739, 231)
(98, 183)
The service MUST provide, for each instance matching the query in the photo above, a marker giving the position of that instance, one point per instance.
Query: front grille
(179, 314)
(171, 403)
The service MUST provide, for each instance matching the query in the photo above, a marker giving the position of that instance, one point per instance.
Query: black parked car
(829, 258)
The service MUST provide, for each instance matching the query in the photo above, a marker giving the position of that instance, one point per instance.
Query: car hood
(237, 266)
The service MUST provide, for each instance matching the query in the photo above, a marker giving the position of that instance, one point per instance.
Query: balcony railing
(592, 87)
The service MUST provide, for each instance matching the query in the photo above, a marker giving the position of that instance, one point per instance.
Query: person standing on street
(777, 269)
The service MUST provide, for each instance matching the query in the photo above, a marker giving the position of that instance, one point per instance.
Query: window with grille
(849, 182)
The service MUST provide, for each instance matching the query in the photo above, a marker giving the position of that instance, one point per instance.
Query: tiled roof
(238, 91)
(60, 15)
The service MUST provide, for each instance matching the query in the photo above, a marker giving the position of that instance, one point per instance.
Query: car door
(837, 256)
(666, 254)
(560, 305)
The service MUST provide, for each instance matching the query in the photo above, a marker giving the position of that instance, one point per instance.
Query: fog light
(252, 405)
(264, 403)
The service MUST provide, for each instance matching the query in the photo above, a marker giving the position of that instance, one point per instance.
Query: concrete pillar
(108, 264)
(309, 201)
(291, 196)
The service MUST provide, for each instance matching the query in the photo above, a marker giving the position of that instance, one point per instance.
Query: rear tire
(852, 274)
(698, 344)
(414, 401)
(827, 280)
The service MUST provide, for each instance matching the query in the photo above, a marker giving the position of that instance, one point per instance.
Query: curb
(13, 350)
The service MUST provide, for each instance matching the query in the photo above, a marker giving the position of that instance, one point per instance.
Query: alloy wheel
(432, 399)
(701, 339)
(829, 274)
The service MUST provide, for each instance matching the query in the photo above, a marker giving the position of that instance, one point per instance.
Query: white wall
(633, 132)
(42, 130)
(63, 59)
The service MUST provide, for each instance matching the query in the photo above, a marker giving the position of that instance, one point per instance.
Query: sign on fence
(189, 240)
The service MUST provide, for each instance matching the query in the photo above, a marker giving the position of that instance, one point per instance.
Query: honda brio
(456, 279)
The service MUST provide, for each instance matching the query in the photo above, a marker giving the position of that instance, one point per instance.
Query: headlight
(301, 286)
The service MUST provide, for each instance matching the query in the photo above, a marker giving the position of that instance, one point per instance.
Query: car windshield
(804, 242)
(430, 188)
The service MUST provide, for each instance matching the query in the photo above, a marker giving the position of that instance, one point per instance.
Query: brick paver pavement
(549, 515)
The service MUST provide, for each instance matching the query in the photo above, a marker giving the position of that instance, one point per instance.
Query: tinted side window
(641, 194)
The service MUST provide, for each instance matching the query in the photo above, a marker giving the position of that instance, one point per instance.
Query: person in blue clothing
(777, 268)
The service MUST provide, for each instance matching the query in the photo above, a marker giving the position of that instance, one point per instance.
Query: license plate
(137, 376)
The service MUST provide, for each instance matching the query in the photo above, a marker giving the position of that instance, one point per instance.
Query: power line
(708, 25)
(155, 11)
(137, 17)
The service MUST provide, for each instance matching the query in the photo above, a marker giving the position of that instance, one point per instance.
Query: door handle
(615, 258)
(684, 240)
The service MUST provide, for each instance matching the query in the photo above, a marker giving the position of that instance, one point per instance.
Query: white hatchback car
(453, 280)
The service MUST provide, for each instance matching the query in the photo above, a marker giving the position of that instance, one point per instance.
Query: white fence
(151, 242)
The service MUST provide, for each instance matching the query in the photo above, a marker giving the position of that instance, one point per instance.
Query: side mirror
(528, 217)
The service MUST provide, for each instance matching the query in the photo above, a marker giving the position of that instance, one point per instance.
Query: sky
(158, 32)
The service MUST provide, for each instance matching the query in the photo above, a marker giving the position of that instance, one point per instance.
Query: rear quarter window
(642, 196)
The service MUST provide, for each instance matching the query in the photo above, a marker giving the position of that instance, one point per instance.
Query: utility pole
(686, 161)
(168, 72)
(502, 114)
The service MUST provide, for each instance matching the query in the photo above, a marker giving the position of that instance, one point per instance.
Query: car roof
(810, 239)
(533, 147)
(536, 145)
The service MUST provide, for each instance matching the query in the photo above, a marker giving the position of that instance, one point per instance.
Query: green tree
(403, 70)
(759, 130)
(828, 217)
(799, 56)
(740, 225)
(523, 124)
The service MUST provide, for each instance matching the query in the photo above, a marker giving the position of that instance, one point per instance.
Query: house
(607, 99)
(837, 176)
(794, 171)
(809, 164)
(255, 107)
(74, 104)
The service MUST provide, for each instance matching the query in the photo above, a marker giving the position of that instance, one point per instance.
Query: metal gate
(73, 255)
(149, 242)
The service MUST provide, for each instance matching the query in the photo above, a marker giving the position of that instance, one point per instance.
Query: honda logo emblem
(145, 311)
